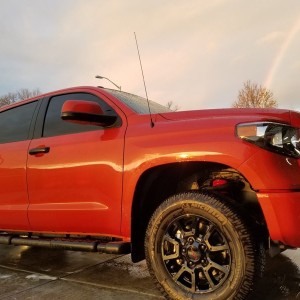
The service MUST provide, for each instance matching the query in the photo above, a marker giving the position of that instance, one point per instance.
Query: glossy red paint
(282, 213)
(207, 136)
(87, 181)
(82, 106)
(71, 188)
(13, 195)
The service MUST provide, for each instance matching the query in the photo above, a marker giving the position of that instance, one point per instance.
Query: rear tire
(198, 247)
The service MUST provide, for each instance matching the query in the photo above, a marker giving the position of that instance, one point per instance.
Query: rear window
(15, 123)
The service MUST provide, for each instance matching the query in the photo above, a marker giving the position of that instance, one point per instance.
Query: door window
(54, 125)
(15, 123)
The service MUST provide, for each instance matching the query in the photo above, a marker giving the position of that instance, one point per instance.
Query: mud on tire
(198, 247)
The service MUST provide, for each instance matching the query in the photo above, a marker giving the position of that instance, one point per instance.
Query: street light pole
(102, 77)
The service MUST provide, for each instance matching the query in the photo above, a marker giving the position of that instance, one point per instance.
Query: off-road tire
(199, 247)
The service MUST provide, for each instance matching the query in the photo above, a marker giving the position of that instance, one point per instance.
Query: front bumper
(282, 214)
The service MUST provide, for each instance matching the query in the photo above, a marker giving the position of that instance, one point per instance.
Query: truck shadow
(280, 281)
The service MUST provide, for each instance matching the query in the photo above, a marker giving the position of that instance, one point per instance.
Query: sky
(197, 54)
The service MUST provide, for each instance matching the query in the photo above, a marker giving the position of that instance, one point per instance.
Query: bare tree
(21, 94)
(253, 95)
(25, 93)
(172, 106)
(8, 99)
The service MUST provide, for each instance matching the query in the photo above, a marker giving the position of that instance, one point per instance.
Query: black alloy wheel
(198, 247)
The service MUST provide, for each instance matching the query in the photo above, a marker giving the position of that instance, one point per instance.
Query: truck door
(75, 173)
(15, 131)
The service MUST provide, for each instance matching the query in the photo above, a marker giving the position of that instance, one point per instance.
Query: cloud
(272, 37)
(195, 53)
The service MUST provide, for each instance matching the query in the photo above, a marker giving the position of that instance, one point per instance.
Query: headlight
(275, 137)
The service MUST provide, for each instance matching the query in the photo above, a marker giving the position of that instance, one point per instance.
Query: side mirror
(86, 113)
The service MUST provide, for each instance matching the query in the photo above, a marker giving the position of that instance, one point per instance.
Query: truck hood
(251, 114)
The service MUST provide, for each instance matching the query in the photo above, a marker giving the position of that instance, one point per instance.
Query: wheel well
(159, 183)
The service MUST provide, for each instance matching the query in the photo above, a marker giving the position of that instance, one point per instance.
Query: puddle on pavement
(281, 280)
(53, 262)
(121, 273)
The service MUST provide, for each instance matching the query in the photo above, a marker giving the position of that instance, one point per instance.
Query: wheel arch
(159, 183)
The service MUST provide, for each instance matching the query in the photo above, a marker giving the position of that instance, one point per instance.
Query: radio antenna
(137, 47)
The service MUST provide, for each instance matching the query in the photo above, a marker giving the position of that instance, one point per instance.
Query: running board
(114, 247)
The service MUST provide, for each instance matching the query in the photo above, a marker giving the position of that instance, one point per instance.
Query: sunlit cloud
(197, 54)
(272, 37)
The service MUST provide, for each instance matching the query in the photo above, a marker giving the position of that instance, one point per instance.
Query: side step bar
(114, 247)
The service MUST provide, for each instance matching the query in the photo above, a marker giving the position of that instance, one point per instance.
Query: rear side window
(54, 125)
(15, 123)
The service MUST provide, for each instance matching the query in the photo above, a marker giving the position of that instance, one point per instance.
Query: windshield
(139, 104)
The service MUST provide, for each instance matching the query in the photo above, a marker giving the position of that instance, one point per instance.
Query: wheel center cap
(194, 253)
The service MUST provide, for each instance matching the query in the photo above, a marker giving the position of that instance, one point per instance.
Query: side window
(15, 123)
(54, 125)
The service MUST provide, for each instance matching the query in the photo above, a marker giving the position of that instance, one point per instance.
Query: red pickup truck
(202, 195)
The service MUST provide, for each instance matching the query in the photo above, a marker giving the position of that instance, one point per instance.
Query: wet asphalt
(37, 273)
